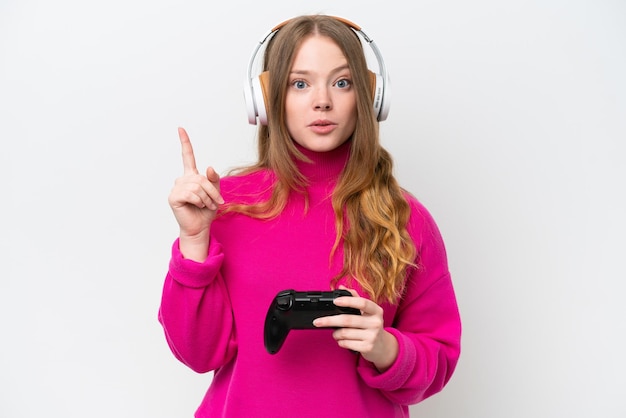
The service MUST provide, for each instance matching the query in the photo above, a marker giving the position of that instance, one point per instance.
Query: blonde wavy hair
(371, 212)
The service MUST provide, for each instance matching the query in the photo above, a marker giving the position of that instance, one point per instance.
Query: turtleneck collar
(324, 166)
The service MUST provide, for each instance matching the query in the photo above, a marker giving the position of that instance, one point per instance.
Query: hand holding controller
(297, 310)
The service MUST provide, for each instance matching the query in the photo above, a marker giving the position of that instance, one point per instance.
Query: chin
(321, 146)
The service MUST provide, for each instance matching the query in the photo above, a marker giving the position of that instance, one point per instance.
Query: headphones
(255, 87)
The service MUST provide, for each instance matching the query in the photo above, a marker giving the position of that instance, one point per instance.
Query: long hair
(371, 212)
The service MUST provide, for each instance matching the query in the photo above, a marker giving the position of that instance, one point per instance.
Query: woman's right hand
(194, 200)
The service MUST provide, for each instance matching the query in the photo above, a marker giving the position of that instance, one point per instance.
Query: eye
(299, 84)
(343, 83)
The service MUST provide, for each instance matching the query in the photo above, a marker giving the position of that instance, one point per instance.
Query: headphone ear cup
(248, 96)
(255, 95)
(384, 92)
(261, 96)
(379, 90)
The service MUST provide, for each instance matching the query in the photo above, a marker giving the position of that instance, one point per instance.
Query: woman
(319, 210)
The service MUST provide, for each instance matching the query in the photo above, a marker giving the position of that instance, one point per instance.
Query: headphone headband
(254, 87)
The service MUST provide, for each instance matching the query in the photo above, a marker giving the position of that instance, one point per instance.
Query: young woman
(320, 210)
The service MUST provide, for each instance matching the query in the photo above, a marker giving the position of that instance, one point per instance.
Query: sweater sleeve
(195, 311)
(427, 323)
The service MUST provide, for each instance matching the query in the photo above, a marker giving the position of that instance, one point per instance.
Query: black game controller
(297, 310)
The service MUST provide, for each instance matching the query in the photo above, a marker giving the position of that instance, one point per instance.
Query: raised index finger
(189, 160)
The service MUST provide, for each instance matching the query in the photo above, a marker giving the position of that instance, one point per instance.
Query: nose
(322, 99)
(323, 106)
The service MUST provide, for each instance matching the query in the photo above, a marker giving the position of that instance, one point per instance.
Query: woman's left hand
(363, 333)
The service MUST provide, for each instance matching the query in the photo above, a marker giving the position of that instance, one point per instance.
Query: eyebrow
(335, 70)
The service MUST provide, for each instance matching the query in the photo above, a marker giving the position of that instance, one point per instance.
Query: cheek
(291, 118)
(349, 106)
(292, 109)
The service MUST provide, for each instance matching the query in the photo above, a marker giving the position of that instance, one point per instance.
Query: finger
(214, 178)
(355, 301)
(199, 191)
(340, 321)
(348, 334)
(185, 193)
(355, 346)
(189, 160)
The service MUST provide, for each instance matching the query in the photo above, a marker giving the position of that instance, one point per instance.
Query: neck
(326, 166)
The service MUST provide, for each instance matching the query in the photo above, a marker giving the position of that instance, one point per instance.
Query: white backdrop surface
(508, 120)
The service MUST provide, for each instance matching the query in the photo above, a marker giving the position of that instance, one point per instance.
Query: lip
(322, 126)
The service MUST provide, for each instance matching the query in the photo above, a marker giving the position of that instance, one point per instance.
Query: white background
(508, 120)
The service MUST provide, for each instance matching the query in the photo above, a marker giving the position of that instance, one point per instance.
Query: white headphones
(255, 87)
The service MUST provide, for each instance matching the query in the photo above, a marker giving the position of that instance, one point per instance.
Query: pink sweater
(213, 313)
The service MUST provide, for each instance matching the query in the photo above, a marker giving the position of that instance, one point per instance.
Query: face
(320, 101)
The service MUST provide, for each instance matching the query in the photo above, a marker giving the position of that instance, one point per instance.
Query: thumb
(212, 176)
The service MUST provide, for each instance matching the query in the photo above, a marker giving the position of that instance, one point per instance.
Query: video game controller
(297, 310)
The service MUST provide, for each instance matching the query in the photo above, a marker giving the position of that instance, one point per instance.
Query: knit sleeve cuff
(396, 376)
(190, 273)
